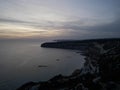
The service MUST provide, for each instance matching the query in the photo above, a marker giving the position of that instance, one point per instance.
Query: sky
(59, 19)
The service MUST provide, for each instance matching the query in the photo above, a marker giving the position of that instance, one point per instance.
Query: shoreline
(100, 72)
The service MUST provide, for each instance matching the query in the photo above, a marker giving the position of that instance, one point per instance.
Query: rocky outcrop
(101, 70)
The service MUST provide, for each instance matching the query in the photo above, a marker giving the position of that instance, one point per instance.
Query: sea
(25, 61)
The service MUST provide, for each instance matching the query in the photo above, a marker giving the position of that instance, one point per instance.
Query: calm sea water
(19, 61)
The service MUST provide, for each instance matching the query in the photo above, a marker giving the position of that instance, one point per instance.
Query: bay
(24, 61)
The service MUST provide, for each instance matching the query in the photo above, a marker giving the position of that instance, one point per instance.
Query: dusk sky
(61, 19)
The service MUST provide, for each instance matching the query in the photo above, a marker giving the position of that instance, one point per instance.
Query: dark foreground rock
(101, 70)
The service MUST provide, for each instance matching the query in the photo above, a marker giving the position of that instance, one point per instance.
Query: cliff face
(101, 70)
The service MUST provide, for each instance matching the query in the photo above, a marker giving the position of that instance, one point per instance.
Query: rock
(57, 59)
(42, 66)
(76, 72)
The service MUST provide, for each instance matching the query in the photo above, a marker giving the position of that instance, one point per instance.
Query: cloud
(80, 28)
(112, 28)
(15, 21)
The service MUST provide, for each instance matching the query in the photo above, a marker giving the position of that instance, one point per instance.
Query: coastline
(100, 72)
